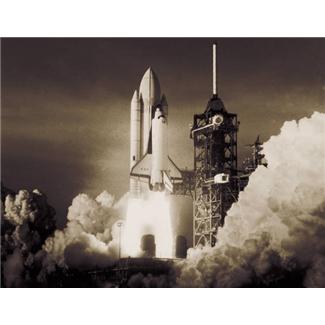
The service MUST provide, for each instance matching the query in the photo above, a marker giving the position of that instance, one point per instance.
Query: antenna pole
(214, 72)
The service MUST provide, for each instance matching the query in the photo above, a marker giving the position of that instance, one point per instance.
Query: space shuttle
(150, 163)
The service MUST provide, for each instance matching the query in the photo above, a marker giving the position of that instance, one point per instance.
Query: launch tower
(215, 166)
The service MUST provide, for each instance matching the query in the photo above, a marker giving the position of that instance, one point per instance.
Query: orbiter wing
(143, 167)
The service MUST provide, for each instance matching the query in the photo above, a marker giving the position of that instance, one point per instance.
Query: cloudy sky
(65, 102)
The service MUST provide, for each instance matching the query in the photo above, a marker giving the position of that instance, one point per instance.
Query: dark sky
(65, 102)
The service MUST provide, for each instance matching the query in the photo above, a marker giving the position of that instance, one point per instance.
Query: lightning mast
(214, 135)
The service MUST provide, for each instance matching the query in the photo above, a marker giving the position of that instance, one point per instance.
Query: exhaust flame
(148, 216)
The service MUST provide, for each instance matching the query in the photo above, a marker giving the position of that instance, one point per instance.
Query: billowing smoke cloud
(26, 222)
(91, 236)
(13, 269)
(149, 281)
(278, 224)
(32, 254)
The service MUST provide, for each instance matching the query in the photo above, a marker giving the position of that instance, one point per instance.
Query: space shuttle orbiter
(149, 160)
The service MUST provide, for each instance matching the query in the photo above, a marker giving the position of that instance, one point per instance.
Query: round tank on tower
(148, 245)
(181, 247)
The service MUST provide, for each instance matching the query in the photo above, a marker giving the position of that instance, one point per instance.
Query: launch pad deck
(118, 273)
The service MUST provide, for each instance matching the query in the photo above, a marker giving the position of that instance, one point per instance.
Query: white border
(168, 18)
(162, 306)
(165, 18)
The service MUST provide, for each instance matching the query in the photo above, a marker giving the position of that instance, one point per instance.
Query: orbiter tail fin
(173, 170)
(168, 183)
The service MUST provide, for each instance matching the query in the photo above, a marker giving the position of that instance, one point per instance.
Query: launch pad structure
(214, 135)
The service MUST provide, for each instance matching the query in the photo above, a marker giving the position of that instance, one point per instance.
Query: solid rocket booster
(135, 130)
(149, 160)
(135, 135)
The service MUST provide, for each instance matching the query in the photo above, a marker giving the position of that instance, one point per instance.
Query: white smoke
(279, 219)
(26, 222)
(91, 237)
(21, 208)
(13, 269)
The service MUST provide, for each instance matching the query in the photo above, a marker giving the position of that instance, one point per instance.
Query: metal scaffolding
(186, 186)
(215, 156)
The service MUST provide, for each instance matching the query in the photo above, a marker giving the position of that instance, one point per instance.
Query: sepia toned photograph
(162, 162)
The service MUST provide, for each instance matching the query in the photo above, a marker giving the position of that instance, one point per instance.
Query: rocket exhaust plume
(145, 216)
